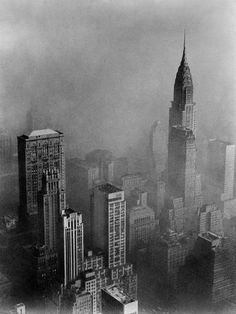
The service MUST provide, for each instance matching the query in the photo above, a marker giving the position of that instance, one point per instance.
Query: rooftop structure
(118, 294)
(109, 188)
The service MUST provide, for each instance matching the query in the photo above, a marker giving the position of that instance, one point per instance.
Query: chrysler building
(181, 144)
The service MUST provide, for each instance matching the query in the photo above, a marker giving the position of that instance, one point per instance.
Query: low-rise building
(114, 300)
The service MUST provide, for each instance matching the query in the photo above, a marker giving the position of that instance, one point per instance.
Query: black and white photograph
(117, 157)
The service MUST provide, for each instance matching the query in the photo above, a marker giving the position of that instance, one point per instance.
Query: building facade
(140, 228)
(38, 151)
(114, 300)
(73, 245)
(51, 205)
(182, 173)
(109, 223)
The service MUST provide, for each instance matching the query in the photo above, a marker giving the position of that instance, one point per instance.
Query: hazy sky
(104, 70)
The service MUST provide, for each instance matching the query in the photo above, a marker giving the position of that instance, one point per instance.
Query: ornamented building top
(183, 89)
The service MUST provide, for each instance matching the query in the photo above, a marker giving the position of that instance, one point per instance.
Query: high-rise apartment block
(109, 223)
(38, 151)
(51, 205)
(73, 245)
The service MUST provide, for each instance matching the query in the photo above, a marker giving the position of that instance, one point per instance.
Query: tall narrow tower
(109, 223)
(73, 244)
(182, 130)
(182, 111)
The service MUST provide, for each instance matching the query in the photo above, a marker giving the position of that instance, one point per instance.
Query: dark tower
(181, 145)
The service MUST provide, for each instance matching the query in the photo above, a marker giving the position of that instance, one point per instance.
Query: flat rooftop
(222, 142)
(39, 133)
(108, 188)
(118, 294)
(210, 236)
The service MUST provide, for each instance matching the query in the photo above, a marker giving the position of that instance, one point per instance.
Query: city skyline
(110, 204)
(128, 68)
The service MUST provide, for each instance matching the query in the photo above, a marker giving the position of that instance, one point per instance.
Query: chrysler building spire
(182, 111)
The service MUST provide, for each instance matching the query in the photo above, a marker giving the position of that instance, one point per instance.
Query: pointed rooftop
(183, 89)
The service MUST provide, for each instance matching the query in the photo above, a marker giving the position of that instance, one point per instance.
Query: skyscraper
(221, 169)
(38, 151)
(73, 245)
(109, 223)
(140, 228)
(51, 205)
(5, 151)
(182, 131)
(182, 111)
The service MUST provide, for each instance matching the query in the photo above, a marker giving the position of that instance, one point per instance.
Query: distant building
(161, 194)
(114, 300)
(131, 182)
(175, 215)
(38, 151)
(73, 245)
(109, 223)
(221, 169)
(140, 228)
(51, 201)
(6, 151)
(211, 219)
(104, 160)
(120, 168)
(84, 175)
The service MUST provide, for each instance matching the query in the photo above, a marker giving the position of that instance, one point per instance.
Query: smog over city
(117, 156)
